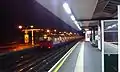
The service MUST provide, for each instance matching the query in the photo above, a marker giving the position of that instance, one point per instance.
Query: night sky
(25, 12)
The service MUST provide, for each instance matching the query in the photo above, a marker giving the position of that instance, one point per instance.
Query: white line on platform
(80, 60)
(56, 67)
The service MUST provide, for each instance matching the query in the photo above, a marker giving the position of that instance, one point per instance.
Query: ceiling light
(75, 22)
(67, 8)
(72, 17)
(79, 27)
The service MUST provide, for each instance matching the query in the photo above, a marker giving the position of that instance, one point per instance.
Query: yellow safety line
(61, 63)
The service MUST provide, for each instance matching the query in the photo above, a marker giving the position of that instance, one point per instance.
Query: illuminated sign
(26, 38)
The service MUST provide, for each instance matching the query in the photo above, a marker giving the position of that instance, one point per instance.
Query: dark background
(26, 13)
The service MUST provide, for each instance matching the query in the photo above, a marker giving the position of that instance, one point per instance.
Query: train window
(55, 39)
(49, 38)
(41, 38)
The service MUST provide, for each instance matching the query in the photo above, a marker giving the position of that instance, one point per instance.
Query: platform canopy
(83, 10)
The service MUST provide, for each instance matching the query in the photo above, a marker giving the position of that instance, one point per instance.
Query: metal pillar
(102, 37)
(119, 38)
(32, 38)
(99, 36)
(93, 35)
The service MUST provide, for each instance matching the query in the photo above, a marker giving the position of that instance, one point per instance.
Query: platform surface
(84, 58)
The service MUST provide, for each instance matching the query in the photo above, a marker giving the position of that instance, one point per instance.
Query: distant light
(48, 30)
(74, 33)
(60, 32)
(45, 35)
(65, 32)
(54, 30)
(31, 26)
(72, 17)
(41, 29)
(70, 32)
(86, 29)
(20, 27)
(31, 68)
(67, 8)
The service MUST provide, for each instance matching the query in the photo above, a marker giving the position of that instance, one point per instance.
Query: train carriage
(49, 40)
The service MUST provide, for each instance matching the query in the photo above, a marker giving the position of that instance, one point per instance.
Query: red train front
(46, 42)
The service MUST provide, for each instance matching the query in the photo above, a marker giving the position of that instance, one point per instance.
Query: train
(50, 41)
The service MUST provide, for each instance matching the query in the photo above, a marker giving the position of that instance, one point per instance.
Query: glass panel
(111, 36)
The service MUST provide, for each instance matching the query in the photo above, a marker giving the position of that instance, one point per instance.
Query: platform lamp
(20, 27)
(26, 33)
(26, 36)
(32, 35)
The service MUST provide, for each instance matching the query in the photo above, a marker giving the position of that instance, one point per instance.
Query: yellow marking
(61, 63)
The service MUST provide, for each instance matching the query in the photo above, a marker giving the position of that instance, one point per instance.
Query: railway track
(40, 61)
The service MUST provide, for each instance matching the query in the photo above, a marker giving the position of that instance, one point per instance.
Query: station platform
(84, 58)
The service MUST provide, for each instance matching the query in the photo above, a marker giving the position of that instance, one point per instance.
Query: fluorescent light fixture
(67, 8)
(72, 17)
(79, 27)
(76, 23)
